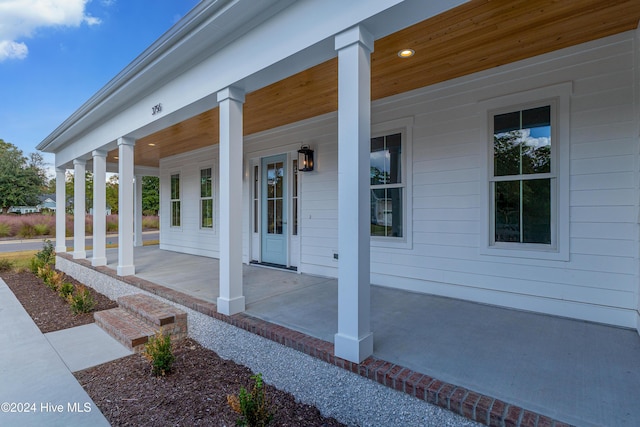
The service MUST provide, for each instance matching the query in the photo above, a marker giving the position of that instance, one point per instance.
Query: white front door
(274, 210)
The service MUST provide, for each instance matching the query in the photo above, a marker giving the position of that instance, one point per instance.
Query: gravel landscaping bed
(336, 392)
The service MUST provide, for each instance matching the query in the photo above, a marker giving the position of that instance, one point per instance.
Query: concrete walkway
(36, 386)
(577, 372)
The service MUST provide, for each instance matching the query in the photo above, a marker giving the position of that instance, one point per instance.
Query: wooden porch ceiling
(476, 36)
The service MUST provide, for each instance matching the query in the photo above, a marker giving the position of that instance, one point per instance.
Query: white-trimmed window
(390, 184)
(206, 199)
(523, 178)
(175, 200)
(526, 209)
(387, 186)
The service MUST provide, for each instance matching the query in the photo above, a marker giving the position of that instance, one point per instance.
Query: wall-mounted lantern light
(305, 159)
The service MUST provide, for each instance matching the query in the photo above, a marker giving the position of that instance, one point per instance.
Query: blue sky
(55, 54)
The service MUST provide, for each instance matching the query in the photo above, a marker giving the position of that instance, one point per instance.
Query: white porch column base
(354, 340)
(126, 270)
(230, 307)
(98, 261)
(61, 211)
(352, 348)
(231, 300)
(137, 222)
(79, 209)
(126, 265)
(99, 208)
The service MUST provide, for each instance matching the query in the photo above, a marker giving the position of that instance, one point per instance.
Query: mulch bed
(47, 309)
(127, 393)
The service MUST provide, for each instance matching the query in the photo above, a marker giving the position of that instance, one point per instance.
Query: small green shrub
(253, 407)
(152, 222)
(65, 290)
(45, 257)
(53, 279)
(26, 231)
(44, 272)
(5, 229)
(6, 264)
(81, 300)
(112, 223)
(160, 353)
(41, 229)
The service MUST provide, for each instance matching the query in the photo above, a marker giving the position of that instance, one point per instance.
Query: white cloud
(21, 18)
(11, 49)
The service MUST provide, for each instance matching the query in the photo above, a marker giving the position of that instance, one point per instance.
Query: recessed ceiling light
(406, 53)
(116, 157)
(151, 144)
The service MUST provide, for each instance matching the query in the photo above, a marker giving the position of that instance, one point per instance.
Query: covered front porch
(572, 371)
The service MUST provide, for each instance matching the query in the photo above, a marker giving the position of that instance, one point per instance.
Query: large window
(387, 186)
(523, 178)
(175, 200)
(206, 199)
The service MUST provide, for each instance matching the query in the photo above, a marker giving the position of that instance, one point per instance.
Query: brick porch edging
(474, 406)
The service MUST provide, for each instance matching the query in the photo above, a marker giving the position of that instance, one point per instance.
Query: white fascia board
(294, 39)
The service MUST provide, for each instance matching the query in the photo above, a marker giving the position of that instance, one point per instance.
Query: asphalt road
(31, 244)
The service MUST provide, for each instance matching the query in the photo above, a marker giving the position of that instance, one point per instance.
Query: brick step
(125, 327)
(156, 313)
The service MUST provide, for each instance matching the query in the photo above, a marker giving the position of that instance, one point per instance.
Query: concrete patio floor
(577, 372)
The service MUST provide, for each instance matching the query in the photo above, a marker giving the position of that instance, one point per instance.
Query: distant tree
(112, 193)
(150, 195)
(88, 188)
(22, 179)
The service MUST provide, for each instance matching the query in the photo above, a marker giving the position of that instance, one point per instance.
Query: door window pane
(294, 198)
(256, 211)
(275, 193)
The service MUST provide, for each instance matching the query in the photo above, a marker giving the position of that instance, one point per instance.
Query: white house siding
(318, 226)
(600, 280)
(189, 237)
(597, 281)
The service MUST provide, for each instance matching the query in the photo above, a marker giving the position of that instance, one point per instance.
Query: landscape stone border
(470, 404)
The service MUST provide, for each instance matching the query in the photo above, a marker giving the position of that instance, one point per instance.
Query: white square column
(61, 210)
(79, 208)
(231, 300)
(126, 266)
(137, 235)
(354, 340)
(99, 208)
